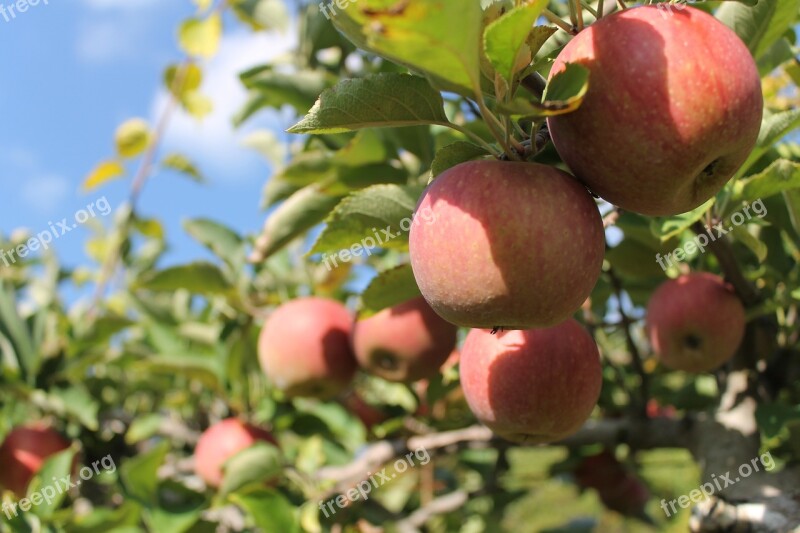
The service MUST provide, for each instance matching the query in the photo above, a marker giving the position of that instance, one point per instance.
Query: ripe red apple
(405, 343)
(23, 453)
(511, 245)
(222, 441)
(304, 348)
(619, 488)
(695, 322)
(369, 415)
(673, 109)
(532, 386)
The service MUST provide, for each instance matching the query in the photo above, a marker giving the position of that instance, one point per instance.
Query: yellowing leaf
(197, 104)
(201, 37)
(132, 138)
(182, 79)
(102, 173)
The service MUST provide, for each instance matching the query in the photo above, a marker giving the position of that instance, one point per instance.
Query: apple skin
(619, 488)
(511, 245)
(695, 323)
(404, 343)
(304, 348)
(222, 441)
(533, 386)
(673, 109)
(23, 453)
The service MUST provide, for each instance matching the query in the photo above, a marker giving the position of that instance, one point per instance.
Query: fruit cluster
(517, 247)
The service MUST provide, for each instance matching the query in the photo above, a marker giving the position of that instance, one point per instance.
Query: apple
(511, 245)
(404, 343)
(673, 109)
(304, 348)
(533, 386)
(695, 323)
(222, 441)
(369, 414)
(619, 488)
(23, 453)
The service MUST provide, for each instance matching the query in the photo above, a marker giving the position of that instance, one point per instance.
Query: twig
(636, 357)
(723, 251)
(555, 19)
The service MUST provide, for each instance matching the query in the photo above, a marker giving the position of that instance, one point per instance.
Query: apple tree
(526, 265)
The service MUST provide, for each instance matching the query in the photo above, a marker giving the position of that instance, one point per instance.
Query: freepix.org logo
(10, 11)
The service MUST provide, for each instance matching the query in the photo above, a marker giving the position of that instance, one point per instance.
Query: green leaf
(202, 368)
(454, 154)
(300, 212)
(506, 39)
(143, 427)
(15, 330)
(760, 25)
(262, 14)
(776, 125)
(199, 278)
(181, 163)
(389, 288)
(132, 138)
(378, 216)
(256, 464)
(272, 89)
(564, 94)
(76, 401)
(782, 175)
(754, 244)
(201, 37)
(377, 101)
(668, 227)
(269, 509)
(57, 466)
(221, 240)
(139, 474)
(439, 38)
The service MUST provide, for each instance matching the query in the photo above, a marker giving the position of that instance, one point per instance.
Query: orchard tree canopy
(526, 265)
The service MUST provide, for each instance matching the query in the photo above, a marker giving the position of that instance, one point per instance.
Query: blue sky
(73, 70)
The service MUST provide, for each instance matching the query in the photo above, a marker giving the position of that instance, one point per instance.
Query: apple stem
(555, 19)
(600, 10)
(579, 15)
(622, 4)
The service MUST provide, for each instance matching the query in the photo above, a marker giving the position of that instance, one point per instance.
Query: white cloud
(213, 143)
(45, 194)
(104, 42)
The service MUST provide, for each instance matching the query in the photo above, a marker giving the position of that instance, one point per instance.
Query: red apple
(619, 488)
(532, 386)
(511, 245)
(405, 343)
(673, 109)
(222, 441)
(23, 453)
(369, 415)
(695, 322)
(304, 348)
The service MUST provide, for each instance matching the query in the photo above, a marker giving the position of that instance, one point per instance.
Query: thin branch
(636, 357)
(555, 19)
(721, 247)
